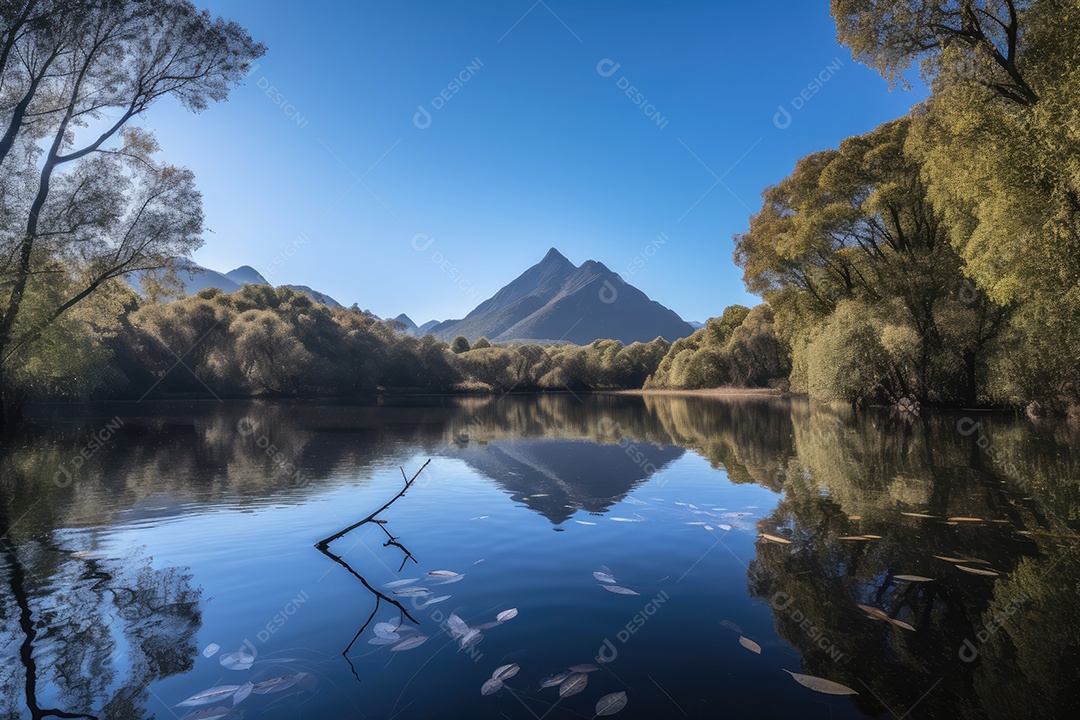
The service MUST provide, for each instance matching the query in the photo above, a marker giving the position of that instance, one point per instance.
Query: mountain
(198, 278)
(556, 300)
(410, 326)
(246, 274)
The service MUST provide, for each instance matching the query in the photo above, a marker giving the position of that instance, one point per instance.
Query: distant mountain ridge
(556, 300)
(197, 278)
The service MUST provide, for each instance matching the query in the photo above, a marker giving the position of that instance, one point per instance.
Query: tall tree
(82, 197)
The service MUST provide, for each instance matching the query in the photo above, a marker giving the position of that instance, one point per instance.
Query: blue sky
(639, 134)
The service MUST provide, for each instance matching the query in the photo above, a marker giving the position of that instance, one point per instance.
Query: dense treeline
(268, 341)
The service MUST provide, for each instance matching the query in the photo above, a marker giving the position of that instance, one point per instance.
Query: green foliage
(738, 348)
(459, 345)
(481, 343)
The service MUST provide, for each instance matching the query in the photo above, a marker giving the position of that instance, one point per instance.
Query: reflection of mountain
(557, 477)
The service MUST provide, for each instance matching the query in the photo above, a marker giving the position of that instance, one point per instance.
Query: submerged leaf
(488, 625)
(278, 684)
(208, 696)
(409, 643)
(573, 684)
(978, 571)
(821, 685)
(237, 660)
(586, 668)
(242, 693)
(433, 600)
(610, 704)
(211, 713)
(553, 680)
(458, 627)
(749, 644)
(619, 590)
(507, 615)
(387, 630)
(473, 637)
(505, 672)
(491, 686)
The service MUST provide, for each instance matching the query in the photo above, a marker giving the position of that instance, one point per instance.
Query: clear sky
(639, 134)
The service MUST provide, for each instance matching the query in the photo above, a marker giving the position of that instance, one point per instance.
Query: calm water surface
(151, 553)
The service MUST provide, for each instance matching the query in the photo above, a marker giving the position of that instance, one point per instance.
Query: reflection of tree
(91, 633)
(854, 475)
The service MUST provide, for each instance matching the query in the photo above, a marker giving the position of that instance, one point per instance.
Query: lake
(688, 557)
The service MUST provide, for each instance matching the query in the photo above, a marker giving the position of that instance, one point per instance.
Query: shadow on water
(963, 528)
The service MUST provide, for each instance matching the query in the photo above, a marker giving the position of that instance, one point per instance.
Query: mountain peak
(246, 274)
(553, 256)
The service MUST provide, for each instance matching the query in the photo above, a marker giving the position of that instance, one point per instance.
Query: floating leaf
(750, 645)
(237, 660)
(913, 578)
(584, 522)
(619, 590)
(443, 573)
(725, 528)
(586, 668)
(622, 519)
(210, 650)
(854, 518)
(491, 687)
(821, 685)
(447, 581)
(873, 612)
(458, 627)
(278, 684)
(387, 630)
(212, 713)
(399, 583)
(573, 684)
(918, 515)
(872, 537)
(603, 577)
(507, 615)
(965, 519)
(950, 559)
(409, 643)
(978, 571)
(775, 539)
(505, 672)
(473, 637)
(413, 591)
(553, 680)
(610, 704)
(709, 528)
(208, 696)
(488, 625)
(901, 624)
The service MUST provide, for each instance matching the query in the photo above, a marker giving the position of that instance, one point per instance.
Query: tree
(481, 342)
(89, 209)
(459, 345)
(855, 225)
(997, 141)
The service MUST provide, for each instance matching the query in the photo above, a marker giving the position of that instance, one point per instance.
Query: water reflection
(866, 498)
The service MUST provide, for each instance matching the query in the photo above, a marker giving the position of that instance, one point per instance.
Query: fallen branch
(323, 546)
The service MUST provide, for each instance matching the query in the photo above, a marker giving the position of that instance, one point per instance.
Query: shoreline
(724, 392)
